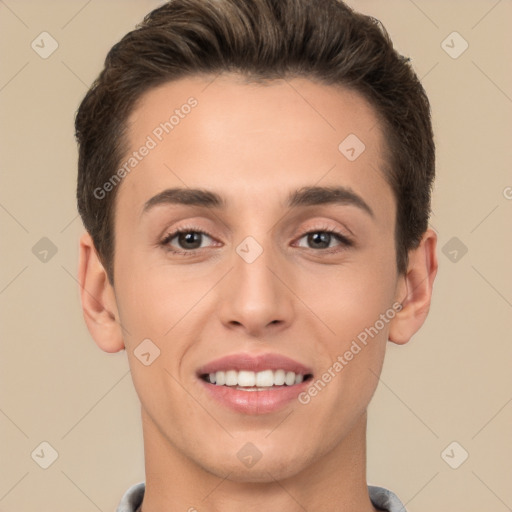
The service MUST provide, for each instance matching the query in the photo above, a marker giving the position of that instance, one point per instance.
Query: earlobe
(414, 291)
(98, 300)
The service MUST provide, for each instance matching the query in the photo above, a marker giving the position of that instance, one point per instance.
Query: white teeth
(231, 378)
(254, 380)
(246, 378)
(289, 379)
(265, 378)
(279, 377)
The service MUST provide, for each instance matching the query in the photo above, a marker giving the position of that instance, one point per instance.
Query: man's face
(256, 276)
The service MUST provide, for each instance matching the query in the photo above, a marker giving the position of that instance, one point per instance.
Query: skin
(253, 144)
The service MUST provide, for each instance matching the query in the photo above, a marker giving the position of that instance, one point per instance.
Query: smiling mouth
(246, 380)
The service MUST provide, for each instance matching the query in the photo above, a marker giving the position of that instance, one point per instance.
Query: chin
(267, 469)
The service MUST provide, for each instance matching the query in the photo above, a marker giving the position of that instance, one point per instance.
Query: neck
(334, 482)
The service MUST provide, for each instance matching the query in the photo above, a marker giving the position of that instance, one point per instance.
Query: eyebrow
(305, 196)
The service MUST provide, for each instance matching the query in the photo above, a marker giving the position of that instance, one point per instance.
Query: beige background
(452, 382)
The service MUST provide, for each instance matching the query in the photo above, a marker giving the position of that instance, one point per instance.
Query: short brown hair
(323, 40)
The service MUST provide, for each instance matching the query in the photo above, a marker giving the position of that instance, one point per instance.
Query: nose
(255, 296)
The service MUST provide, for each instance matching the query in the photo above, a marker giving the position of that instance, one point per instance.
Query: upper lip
(255, 363)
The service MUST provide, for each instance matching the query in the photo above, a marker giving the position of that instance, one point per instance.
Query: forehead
(253, 142)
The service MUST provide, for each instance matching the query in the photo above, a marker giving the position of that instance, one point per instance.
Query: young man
(255, 179)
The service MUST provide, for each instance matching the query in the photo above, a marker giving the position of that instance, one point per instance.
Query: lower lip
(255, 402)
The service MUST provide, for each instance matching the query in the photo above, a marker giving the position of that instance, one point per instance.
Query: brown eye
(322, 239)
(189, 240)
(185, 240)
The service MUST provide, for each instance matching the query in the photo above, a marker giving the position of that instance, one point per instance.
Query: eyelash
(344, 240)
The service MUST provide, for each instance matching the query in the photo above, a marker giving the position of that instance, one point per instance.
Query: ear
(414, 290)
(98, 299)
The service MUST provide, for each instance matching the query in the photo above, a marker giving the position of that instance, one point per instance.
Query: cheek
(155, 314)
(349, 298)
(352, 357)
(147, 302)
(355, 302)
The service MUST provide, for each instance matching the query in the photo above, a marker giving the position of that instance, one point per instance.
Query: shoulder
(385, 499)
(380, 497)
(132, 498)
